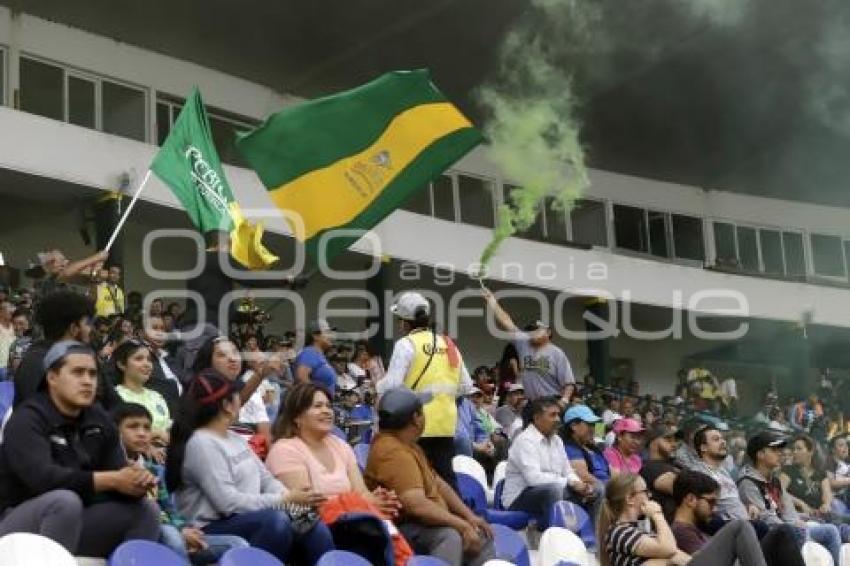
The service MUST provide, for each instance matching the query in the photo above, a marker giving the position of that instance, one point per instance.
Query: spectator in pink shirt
(624, 455)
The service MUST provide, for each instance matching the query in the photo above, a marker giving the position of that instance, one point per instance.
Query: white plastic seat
(25, 549)
(845, 555)
(465, 465)
(561, 545)
(497, 562)
(816, 555)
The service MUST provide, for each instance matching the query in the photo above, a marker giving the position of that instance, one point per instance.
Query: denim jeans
(217, 545)
(539, 499)
(272, 531)
(828, 536)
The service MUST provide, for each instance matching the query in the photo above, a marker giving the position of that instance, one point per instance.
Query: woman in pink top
(307, 453)
(624, 456)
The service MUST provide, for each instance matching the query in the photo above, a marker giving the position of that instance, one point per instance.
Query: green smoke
(532, 131)
(721, 12)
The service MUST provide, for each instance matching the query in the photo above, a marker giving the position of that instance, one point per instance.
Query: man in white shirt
(539, 474)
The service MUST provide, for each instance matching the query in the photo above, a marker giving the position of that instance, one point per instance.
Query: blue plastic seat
(342, 558)
(361, 452)
(361, 413)
(339, 433)
(510, 546)
(520, 518)
(144, 553)
(573, 517)
(474, 497)
(421, 560)
(248, 556)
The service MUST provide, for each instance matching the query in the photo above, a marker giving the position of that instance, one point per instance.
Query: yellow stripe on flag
(336, 194)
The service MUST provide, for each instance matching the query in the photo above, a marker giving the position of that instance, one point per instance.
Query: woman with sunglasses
(622, 542)
(221, 485)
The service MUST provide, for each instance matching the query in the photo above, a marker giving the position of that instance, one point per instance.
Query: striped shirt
(621, 544)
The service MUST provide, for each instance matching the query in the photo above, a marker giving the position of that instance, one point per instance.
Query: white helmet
(408, 304)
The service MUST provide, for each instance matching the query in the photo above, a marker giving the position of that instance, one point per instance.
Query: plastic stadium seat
(472, 494)
(425, 561)
(519, 519)
(499, 472)
(339, 433)
(816, 555)
(23, 549)
(361, 413)
(839, 507)
(845, 555)
(573, 517)
(248, 556)
(560, 546)
(144, 553)
(470, 466)
(497, 562)
(510, 546)
(361, 452)
(7, 399)
(342, 558)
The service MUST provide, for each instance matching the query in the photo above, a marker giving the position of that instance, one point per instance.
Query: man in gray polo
(545, 370)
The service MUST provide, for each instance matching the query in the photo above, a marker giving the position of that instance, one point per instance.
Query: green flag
(188, 163)
(347, 160)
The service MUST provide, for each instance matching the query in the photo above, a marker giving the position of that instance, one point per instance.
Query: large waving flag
(348, 160)
(188, 163)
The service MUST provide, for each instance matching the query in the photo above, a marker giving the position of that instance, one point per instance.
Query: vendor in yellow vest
(428, 362)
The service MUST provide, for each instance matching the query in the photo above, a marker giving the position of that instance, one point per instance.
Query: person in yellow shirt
(426, 361)
(109, 297)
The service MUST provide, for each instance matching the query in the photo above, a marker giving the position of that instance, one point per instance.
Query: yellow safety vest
(440, 379)
(105, 303)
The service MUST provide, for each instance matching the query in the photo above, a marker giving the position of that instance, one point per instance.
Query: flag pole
(124, 216)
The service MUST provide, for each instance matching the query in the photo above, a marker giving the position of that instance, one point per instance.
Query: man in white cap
(428, 362)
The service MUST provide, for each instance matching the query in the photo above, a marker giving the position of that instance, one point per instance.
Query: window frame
(4, 75)
(492, 183)
(811, 252)
(605, 217)
(98, 79)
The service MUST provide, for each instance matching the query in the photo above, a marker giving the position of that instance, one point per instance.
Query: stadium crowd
(122, 430)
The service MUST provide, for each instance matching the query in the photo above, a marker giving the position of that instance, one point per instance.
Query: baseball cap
(319, 325)
(397, 406)
(61, 349)
(765, 439)
(407, 305)
(628, 425)
(660, 431)
(580, 413)
(209, 386)
(513, 387)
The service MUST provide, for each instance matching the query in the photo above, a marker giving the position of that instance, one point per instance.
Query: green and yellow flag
(188, 163)
(346, 161)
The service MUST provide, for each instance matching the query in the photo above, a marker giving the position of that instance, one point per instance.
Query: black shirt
(651, 471)
(808, 490)
(44, 450)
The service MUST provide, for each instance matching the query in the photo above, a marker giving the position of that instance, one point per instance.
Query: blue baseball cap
(580, 413)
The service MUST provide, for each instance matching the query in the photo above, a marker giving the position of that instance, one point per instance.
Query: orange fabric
(454, 355)
(259, 445)
(353, 502)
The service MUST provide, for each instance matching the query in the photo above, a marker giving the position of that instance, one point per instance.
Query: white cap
(408, 303)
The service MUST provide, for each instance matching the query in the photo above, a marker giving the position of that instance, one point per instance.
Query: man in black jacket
(63, 473)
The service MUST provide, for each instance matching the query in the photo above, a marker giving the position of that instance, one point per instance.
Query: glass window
(771, 251)
(81, 104)
(476, 201)
(658, 233)
(588, 221)
(163, 122)
(420, 201)
(535, 231)
(847, 253)
(748, 251)
(724, 243)
(556, 222)
(828, 255)
(795, 259)
(687, 237)
(224, 137)
(41, 90)
(2, 76)
(630, 228)
(123, 111)
(444, 200)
